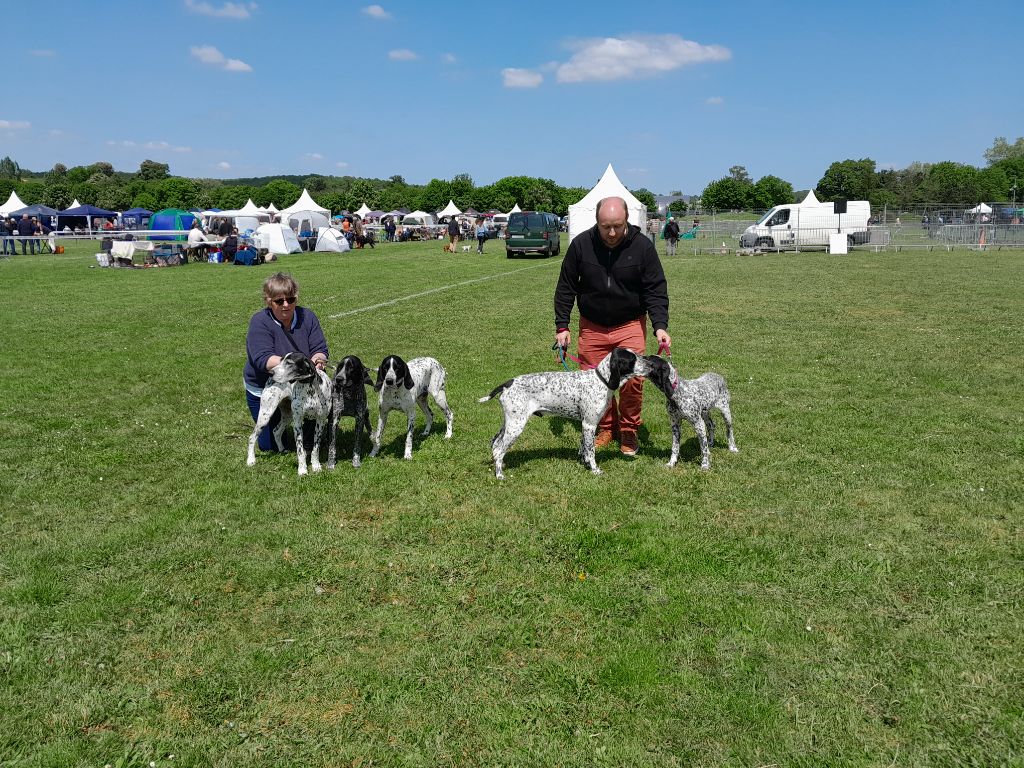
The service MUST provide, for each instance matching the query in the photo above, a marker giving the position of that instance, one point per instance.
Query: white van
(808, 224)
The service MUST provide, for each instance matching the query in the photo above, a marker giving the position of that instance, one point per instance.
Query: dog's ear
(380, 375)
(366, 375)
(407, 376)
(622, 363)
(660, 375)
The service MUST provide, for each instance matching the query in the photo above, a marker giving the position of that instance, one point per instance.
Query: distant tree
(147, 200)
(31, 191)
(279, 192)
(58, 173)
(58, 195)
(178, 192)
(678, 206)
(85, 192)
(727, 193)
(397, 179)
(770, 191)
(646, 197)
(1002, 150)
(954, 183)
(114, 197)
(571, 196)
(363, 191)
(462, 189)
(676, 193)
(849, 179)
(739, 173)
(315, 183)
(150, 170)
(101, 169)
(9, 169)
(434, 196)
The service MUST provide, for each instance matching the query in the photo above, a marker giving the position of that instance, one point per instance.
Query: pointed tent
(319, 216)
(449, 210)
(75, 204)
(583, 215)
(517, 209)
(13, 204)
(362, 210)
(271, 208)
(982, 208)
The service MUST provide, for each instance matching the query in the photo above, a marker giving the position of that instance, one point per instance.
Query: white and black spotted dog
(402, 387)
(693, 400)
(302, 392)
(579, 395)
(349, 399)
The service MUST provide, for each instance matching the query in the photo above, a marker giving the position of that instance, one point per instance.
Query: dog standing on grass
(302, 392)
(402, 387)
(349, 399)
(692, 400)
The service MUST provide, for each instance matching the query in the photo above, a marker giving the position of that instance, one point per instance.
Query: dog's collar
(674, 382)
(603, 379)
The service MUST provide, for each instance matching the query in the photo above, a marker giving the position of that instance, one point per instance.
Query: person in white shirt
(198, 244)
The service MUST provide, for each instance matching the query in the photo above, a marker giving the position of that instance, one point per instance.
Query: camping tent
(449, 210)
(276, 238)
(417, 219)
(13, 203)
(170, 219)
(982, 208)
(133, 217)
(583, 215)
(309, 208)
(331, 240)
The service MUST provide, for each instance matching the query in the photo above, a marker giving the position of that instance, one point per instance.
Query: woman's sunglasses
(285, 300)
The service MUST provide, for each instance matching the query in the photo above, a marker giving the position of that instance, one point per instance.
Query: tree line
(153, 187)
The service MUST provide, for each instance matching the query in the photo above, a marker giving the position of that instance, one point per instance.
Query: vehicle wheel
(765, 242)
(850, 241)
(509, 254)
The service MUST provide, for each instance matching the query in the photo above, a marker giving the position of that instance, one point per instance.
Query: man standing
(671, 235)
(453, 233)
(613, 273)
(26, 229)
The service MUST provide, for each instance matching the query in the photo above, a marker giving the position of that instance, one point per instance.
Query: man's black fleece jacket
(612, 285)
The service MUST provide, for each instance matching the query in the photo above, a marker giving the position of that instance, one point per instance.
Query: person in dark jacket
(230, 246)
(453, 234)
(277, 329)
(613, 274)
(26, 229)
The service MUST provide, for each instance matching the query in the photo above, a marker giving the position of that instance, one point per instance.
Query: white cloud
(314, 156)
(402, 54)
(521, 78)
(715, 100)
(207, 54)
(341, 164)
(376, 12)
(634, 57)
(155, 145)
(45, 52)
(224, 165)
(226, 11)
(56, 132)
(448, 58)
(15, 125)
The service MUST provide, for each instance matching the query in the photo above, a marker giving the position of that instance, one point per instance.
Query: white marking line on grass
(421, 294)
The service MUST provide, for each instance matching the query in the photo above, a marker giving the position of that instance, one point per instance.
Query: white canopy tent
(583, 215)
(310, 208)
(13, 204)
(417, 219)
(449, 210)
(75, 204)
(248, 217)
(982, 208)
(515, 209)
(271, 208)
(362, 211)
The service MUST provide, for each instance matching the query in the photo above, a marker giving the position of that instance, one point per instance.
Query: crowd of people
(31, 231)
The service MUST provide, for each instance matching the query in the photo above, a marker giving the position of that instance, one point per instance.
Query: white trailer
(808, 224)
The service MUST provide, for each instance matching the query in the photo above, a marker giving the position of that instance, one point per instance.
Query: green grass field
(847, 590)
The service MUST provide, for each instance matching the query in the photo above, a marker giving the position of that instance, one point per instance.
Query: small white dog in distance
(402, 387)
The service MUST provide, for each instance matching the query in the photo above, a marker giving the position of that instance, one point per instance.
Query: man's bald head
(612, 220)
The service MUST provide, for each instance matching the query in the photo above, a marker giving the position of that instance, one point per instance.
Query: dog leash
(564, 353)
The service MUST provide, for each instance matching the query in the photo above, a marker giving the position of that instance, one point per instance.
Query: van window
(780, 217)
(519, 222)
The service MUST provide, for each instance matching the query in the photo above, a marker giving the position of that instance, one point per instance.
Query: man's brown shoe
(628, 444)
(604, 438)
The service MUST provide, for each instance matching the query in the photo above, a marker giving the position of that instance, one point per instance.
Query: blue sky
(671, 93)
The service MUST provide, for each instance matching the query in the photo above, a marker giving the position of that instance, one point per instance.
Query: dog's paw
(733, 449)
(356, 462)
(250, 462)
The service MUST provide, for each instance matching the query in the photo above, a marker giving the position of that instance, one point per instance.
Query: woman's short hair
(280, 284)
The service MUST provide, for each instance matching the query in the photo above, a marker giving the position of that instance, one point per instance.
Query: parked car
(532, 231)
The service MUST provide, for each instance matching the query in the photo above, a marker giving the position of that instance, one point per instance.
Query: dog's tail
(496, 391)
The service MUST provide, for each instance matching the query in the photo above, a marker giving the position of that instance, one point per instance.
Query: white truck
(808, 224)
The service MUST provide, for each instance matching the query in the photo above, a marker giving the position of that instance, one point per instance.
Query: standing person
(359, 232)
(671, 235)
(482, 234)
(279, 328)
(453, 234)
(8, 228)
(613, 274)
(26, 229)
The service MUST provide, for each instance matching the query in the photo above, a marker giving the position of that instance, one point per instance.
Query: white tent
(320, 216)
(810, 199)
(583, 215)
(980, 209)
(276, 238)
(449, 210)
(13, 204)
(417, 219)
(331, 240)
(363, 210)
(271, 208)
(246, 217)
(75, 204)
(517, 209)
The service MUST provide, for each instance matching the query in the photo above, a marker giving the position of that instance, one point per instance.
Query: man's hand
(562, 339)
(664, 340)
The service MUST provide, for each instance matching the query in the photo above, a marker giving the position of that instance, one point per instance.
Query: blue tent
(85, 212)
(134, 218)
(39, 211)
(170, 218)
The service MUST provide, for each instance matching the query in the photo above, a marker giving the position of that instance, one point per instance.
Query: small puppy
(693, 400)
(579, 395)
(349, 399)
(302, 392)
(465, 249)
(402, 387)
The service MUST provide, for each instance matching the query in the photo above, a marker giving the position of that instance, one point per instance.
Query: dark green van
(532, 231)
